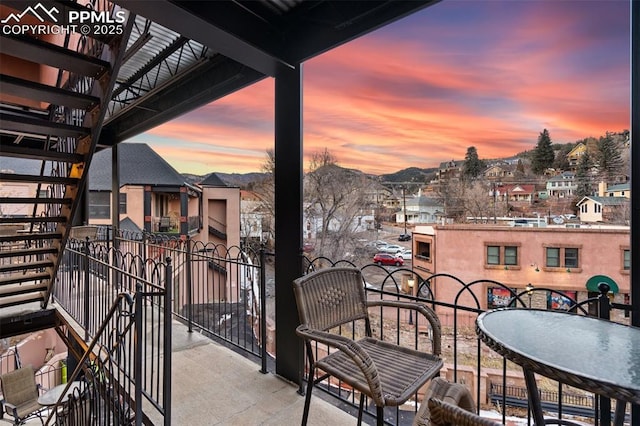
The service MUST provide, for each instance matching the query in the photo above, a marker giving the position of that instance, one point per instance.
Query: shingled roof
(139, 165)
(213, 180)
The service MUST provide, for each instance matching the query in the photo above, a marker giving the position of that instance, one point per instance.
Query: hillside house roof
(213, 180)
(619, 187)
(605, 201)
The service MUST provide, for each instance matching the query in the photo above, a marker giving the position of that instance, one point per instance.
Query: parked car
(406, 255)
(388, 259)
(392, 248)
(404, 237)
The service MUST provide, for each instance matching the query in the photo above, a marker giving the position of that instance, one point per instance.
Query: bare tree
(335, 200)
(266, 192)
(477, 201)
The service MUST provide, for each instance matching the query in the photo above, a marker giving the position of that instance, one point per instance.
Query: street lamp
(529, 289)
(411, 282)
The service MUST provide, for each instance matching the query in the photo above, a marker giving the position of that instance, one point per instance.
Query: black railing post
(604, 312)
(86, 289)
(263, 309)
(166, 387)
(137, 351)
(189, 290)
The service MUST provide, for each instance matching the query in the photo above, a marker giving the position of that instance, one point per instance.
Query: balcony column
(115, 195)
(147, 208)
(184, 211)
(288, 218)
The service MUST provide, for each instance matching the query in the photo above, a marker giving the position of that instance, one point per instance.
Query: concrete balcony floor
(213, 385)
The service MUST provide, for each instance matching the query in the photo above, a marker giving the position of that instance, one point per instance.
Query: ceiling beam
(182, 21)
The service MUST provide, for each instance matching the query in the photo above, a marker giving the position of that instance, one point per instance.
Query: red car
(388, 259)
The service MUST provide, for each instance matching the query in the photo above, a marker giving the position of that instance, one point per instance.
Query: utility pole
(404, 209)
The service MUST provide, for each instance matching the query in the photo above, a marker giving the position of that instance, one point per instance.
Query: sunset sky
(490, 74)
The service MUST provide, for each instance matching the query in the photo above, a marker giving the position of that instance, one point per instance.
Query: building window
(493, 255)
(99, 204)
(626, 259)
(424, 250)
(123, 203)
(598, 208)
(501, 255)
(562, 257)
(583, 208)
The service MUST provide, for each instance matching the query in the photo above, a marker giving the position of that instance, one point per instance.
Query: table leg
(534, 397)
(621, 408)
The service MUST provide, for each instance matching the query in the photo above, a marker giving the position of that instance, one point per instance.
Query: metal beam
(182, 21)
(213, 80)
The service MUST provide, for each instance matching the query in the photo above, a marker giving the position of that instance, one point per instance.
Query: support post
(86, 289)
(263, 310)
(288, 216)
(189, 289)
(137, 351)
(166, 385)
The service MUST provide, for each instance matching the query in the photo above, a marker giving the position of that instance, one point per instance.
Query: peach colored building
(555, 258)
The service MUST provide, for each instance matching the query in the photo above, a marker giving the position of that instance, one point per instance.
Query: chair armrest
(351, 348)
(422, 308)
(11, 409)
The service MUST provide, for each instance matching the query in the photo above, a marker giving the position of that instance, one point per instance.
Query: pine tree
(609, 158)
(543, 154)
(583, 176)
(520, 172)
(473, 166)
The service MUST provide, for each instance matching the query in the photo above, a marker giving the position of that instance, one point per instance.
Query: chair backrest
(19, 386)
(330, 297)
(445, 414)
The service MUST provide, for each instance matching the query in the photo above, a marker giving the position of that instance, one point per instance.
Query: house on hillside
(517, 193)
(573, 156)
(562, 186)
(620, 190)
(153, 195)
(449, 171)
(500, 171)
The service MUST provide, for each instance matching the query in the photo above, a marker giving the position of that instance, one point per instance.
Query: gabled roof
(517, 189)
(424, 201)
(562, 177)
(451, 164)
(213, 180)
(139, 165)
(605, 201)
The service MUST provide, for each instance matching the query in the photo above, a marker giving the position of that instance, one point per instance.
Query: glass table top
(589, 347)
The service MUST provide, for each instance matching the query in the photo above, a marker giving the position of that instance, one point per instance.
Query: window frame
(503, 256)
(97, 210)
(563, 265)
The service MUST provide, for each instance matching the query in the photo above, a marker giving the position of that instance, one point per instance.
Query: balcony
(221, 315)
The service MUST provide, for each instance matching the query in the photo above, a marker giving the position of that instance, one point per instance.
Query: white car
(406, 255)
(392, 248)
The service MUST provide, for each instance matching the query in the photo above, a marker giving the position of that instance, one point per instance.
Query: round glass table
(588, 353)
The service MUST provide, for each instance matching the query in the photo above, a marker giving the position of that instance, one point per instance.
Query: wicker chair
(446, 414)
(20, 393)
(452, 393)
(386, 373)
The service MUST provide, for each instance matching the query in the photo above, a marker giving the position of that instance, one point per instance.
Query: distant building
(449, 171)
(619, 190)
(602, 209)
(517, 193)
(562, 186)
(421, 209)
(553, 257)
(500, 171)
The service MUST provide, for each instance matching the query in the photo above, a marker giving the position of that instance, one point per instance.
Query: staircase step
(35, 50)
(39, 154)
(14, 177)
(43, 93)
(36, 219)
(22, 278)
(18, 123)
(21, 299)
(15, 289)
(28, 252)
(29, 237)
(34, 200)
(12, 267)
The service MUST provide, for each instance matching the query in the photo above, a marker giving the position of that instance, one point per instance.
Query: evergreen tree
(583, 176)
(520, 172)
(609, 158)
(473, 166)
(543, 154)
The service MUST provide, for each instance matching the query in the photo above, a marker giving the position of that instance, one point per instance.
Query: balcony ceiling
(185, 54)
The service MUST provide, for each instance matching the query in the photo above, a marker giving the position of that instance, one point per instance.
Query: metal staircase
(55, 91)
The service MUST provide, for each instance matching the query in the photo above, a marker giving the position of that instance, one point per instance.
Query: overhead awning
(594, 281)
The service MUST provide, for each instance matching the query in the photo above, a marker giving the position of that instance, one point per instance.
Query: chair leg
(307, 398)
(360, 409)
(380, 416)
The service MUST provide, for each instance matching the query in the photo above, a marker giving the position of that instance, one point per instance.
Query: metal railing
(467, 359)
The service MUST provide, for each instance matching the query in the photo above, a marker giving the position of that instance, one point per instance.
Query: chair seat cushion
(28, 409)
(402, 371)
